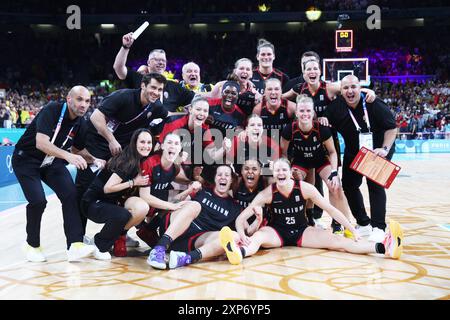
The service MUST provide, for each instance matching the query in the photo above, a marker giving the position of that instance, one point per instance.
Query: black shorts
(305, 166)
(289, 237)
(185, 242)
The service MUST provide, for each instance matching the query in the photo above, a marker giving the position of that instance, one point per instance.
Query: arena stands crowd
(422, 109)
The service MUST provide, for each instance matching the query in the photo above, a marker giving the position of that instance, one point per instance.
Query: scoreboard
(344, 40)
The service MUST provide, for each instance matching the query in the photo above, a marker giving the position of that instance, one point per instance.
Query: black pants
(58, 178)
(83, 180)
(351, 181)
(113, 216)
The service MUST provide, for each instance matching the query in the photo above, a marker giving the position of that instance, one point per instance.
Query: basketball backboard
(337, 68)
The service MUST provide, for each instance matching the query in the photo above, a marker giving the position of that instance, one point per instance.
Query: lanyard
(48, 160)
(139, 115)
(58, 126)
(365, 114)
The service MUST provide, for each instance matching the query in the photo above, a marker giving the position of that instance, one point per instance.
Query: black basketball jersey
(244, 196)
(160, 179)
(307, 147)
(274, 121)
(246, 101)
(267, 151)
(320, 97)
(259, 79)
(225, 120)
(217, 212)
(288, 212)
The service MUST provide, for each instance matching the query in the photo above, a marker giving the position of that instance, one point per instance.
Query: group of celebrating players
(204, 170)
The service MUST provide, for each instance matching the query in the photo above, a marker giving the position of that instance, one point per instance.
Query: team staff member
(41, 154)
(190, 73)
(117, 117)
(174, 94)
(265, 54)
(124, 111)
(359, 121)
(109, 199)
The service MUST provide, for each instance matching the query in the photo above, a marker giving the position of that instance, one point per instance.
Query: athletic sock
(196, 255)
(379, 248)
(242, 251)
(165, 241)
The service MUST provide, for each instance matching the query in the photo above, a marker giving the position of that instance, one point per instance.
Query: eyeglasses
(159, 60)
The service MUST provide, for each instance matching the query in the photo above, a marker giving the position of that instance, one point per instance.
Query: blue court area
(12, 195)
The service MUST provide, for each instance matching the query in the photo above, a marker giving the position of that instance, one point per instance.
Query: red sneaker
(120, 246)
(150, 237)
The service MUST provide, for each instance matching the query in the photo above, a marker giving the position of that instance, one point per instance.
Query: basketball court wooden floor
(419, 199)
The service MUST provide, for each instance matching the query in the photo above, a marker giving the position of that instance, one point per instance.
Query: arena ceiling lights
(313, 14)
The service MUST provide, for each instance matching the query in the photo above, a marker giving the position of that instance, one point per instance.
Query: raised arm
(121, 57)
(290, 95)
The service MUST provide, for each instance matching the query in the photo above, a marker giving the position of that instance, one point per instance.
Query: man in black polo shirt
(122, 112)
(354, 119)
(42, 154)
(117, 117)
(174, 95)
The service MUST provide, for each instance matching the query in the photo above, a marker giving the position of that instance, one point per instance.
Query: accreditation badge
(366, 140)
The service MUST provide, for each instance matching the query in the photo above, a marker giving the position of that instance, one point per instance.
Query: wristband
(332, 175)
(385, 148)
(125, 47)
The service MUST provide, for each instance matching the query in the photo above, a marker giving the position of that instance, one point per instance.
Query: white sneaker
(377, 235)
(363, 231)
(79, 250)
(178, 259)
(34, 254)
(319, 224)
(101, 255)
